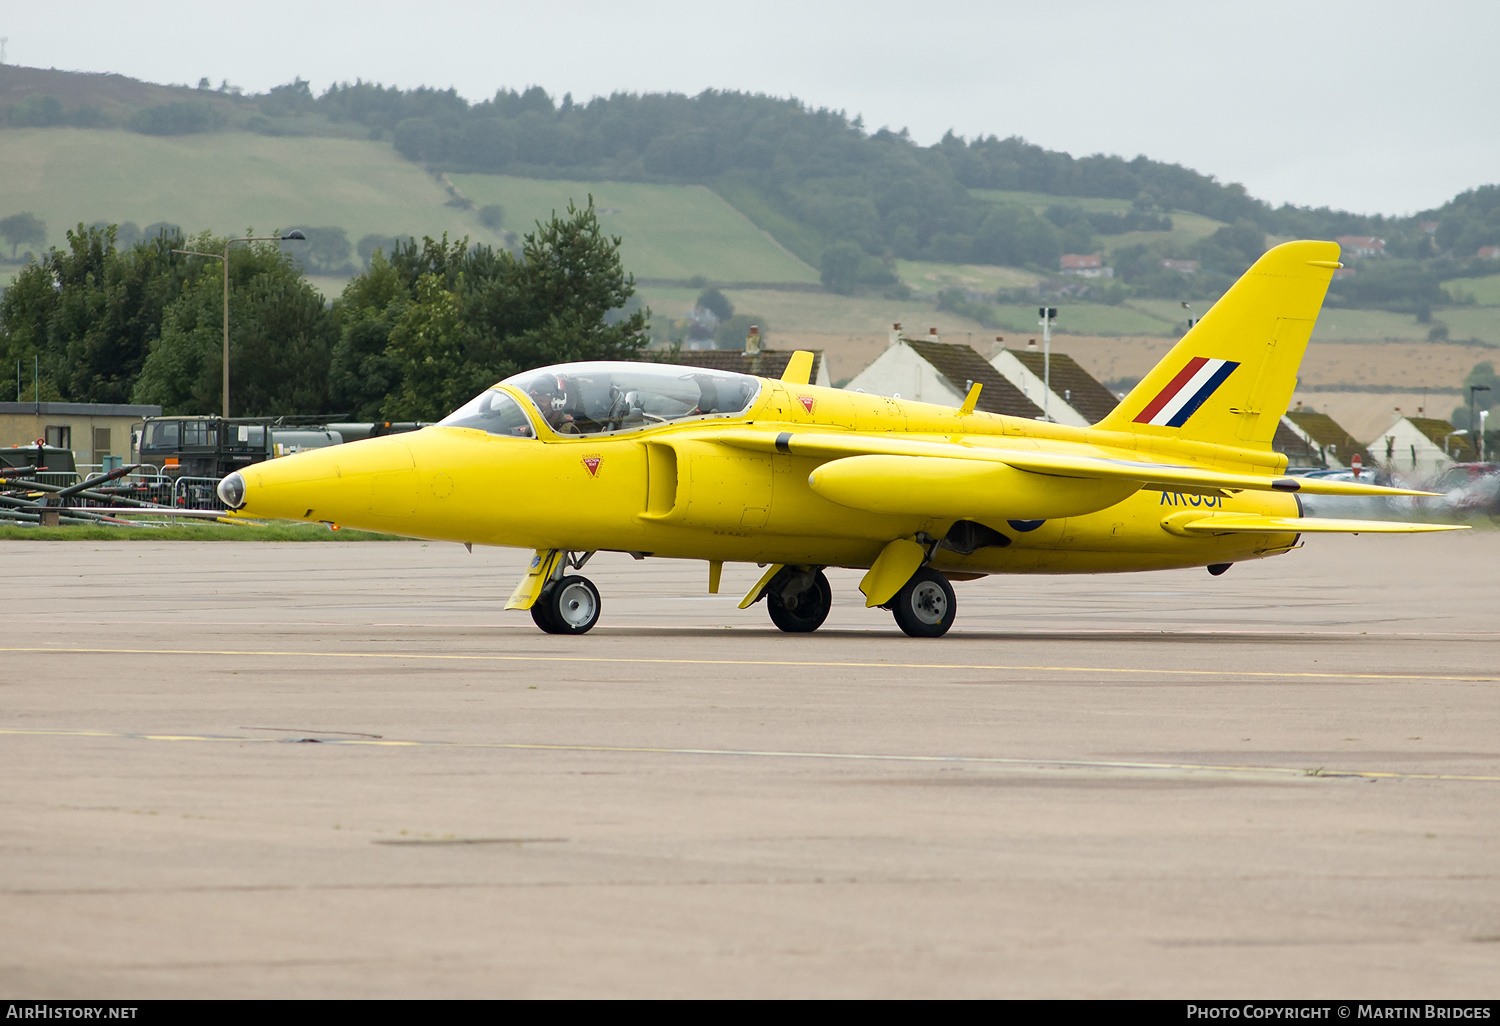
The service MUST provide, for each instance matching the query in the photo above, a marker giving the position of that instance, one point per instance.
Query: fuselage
(676, 489)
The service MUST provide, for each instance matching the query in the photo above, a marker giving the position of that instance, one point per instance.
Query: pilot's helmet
(550, 392)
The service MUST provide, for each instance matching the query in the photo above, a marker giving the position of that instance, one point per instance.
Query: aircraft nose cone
(232, 491)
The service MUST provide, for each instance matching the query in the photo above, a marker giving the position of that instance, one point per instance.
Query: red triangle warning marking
(806, 401)
(592, 464)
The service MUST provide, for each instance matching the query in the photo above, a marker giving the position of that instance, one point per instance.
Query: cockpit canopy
(599, 398)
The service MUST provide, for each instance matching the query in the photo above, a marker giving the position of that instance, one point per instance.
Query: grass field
(1186, 230)
(932, 278)
(872, 314)
(1486, 291)
(818, 312)
(669, 231)
(1086, 319)
(224, 181)
(1337, 323)
(1466, 322)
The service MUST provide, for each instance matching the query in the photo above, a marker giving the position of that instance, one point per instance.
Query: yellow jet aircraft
(686, 463)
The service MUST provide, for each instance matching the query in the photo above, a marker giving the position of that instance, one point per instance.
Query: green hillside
(223, 181)
(670, 231)
(228, 181)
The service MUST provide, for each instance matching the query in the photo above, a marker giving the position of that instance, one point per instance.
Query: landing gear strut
(799, 599)
(925, 605)
(568, 604)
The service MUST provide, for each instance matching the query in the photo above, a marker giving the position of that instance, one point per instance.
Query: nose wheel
(568, 605)
(925, 605)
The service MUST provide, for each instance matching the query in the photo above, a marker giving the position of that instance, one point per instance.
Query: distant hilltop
(847, 201)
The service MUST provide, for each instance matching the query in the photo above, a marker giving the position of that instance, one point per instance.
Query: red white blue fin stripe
(1186, 392)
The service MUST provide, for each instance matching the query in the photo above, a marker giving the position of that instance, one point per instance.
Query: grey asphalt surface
(319, 770)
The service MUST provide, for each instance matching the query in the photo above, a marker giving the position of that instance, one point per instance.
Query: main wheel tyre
(925, 606)
(570, 605)
(798, 601)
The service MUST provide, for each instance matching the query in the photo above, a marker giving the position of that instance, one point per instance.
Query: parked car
(1469, 488)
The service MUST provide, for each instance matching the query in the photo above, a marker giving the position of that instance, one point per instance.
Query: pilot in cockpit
(550, 394)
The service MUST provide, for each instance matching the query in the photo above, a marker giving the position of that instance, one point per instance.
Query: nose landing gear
(568, 605)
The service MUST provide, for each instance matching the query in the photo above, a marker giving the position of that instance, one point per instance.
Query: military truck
(53, 465)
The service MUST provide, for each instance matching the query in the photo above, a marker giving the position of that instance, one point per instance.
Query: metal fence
(196, 493)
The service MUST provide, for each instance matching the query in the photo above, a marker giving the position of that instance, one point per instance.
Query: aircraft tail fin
(1229, 379)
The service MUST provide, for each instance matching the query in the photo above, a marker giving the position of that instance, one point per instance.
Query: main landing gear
(799, 598)
(925, 606)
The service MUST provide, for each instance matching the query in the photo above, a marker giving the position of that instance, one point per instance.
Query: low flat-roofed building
(91, 430)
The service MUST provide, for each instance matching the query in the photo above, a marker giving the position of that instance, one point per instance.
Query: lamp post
(1048, 314)
(291, 236)
(1473, 421)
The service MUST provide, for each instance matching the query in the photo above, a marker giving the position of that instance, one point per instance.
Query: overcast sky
(1372, 106)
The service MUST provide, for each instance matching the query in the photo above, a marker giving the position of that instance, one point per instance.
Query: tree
(368, 244)
(436, 322)
(361, 372)
(37, 111)
(1483, 374)
(327, 250)
(20, 229)
(181, 117)
(839, 268)
(730, 334)
(280, 337)
(716, 303)
(89, 312)
(426, 347)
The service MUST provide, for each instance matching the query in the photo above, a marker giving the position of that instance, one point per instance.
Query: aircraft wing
(1099, 466)
(1253, 523)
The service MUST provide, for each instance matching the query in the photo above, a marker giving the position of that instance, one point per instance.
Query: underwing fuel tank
(928, 485)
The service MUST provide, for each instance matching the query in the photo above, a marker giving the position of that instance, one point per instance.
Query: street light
(294, 235)
(1473, 422)
(1048, 314)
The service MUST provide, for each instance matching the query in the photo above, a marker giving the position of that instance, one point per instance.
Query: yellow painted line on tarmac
(1220, 671)
(977, 760)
